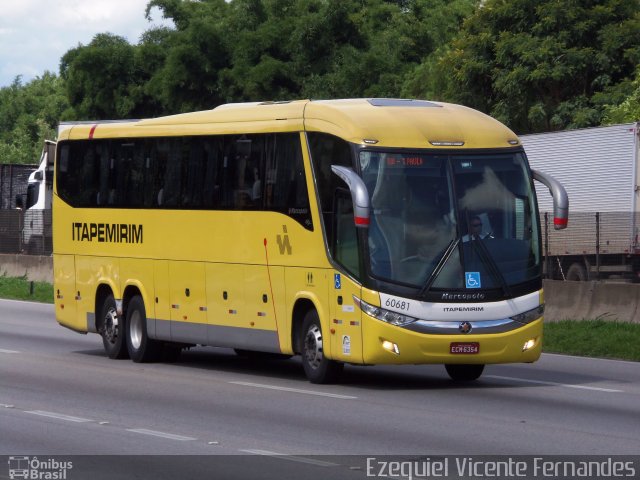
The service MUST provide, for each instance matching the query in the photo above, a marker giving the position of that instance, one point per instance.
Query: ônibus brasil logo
(36, 469)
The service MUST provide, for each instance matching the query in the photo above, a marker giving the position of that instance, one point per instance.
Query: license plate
(464, 348)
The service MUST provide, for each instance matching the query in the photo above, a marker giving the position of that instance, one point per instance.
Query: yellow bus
(360, 231)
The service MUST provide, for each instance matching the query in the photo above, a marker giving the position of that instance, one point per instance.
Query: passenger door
(346, 326)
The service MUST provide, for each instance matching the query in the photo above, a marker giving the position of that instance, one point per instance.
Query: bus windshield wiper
(478, 244)
(443, 261)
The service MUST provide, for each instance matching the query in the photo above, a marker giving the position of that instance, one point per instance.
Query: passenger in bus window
(256, 190)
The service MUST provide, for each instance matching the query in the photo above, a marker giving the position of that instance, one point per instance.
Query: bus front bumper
(390, 344)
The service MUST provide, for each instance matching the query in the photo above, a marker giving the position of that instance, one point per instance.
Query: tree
(29, 114)
(187, 77)
(102, 78)
(629, 109)
(544, 65)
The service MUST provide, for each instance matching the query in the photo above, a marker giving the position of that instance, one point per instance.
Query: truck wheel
(35, 247)
(112, 330)
(317, 367)
(577, 273)
(464, 373)
(141, 348)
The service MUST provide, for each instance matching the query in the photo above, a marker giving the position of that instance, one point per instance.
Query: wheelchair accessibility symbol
(472, 279)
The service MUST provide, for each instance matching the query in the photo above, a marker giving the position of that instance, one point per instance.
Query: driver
(475, 230)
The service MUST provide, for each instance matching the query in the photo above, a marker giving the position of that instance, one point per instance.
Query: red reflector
(560, 221)
(362, 221)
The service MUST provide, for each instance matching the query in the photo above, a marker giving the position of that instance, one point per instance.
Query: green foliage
(593, 338)
(29, 114)
(629, 109)
(544, 65)
(101, 78)
(19, 288)
(536, 65)
(250, 50)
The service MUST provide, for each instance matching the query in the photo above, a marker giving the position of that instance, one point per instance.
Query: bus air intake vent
(396, 102)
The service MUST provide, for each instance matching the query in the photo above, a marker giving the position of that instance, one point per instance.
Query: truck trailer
(599, 169)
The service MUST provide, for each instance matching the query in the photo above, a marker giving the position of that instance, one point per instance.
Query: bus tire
(317, 367)
(111, 330)
(141, 348)
(464, 373)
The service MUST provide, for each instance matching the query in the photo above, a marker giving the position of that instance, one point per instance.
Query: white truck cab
(36, 233)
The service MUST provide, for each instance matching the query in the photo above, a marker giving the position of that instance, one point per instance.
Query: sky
(35, 34)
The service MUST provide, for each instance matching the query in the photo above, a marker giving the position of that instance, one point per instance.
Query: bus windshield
(451, 221)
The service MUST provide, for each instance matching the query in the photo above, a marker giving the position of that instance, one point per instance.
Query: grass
(19, 288)
(593, 338)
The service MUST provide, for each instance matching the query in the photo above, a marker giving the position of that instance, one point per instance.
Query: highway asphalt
(61, 395)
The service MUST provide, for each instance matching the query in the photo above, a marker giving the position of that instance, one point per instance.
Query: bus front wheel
(141, 348)
(317, 367)
(464, 373)
(112, 330)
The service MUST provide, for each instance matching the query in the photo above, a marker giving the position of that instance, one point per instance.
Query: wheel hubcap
(135, 329)
(313, 346)
(111, 325)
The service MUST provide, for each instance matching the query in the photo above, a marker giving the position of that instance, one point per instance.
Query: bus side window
(213, 154)
(103, 187)
(345, 247)
(173, 175)
(327, 150)
(286, 185)
(195, 175)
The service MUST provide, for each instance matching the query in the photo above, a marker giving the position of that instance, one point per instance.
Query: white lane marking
(32, 302)
(2, 350)
(283, 456)
(295, 390)
(6, 405)
(555, 384)
(154, 433)
(59, 416)
(573, 357)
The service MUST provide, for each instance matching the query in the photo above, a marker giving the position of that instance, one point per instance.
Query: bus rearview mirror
(359, 195)
(560, 199)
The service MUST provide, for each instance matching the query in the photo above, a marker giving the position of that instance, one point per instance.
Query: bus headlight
(529, 316)
(529, 344)
(388, 316)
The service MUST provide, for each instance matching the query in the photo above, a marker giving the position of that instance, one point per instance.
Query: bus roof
(379, 122)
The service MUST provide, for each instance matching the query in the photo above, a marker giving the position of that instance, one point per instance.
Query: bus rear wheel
(464, 373)
(317, 367)
(112, 330)
(141, 348)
